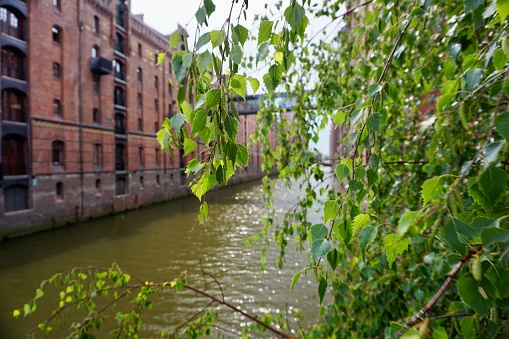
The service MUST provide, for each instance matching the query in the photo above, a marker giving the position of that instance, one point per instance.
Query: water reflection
(158, 243)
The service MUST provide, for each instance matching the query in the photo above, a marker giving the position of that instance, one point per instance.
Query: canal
(157, 243)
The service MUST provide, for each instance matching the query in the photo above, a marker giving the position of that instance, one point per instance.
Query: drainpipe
(80, 108)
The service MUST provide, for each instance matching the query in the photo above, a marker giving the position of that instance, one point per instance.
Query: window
(156, 126)
(57, 34)
(57, 153)
(95, 25)
(119, 157)
(98, 156)
(56, 70)
(56, 3)
(96, 83)
(119, 43)
(140, 100)
(96, 115)
(118, 69)
(59, 192)
(140, 125)
(156, 105)
(140, 157)
(139, 75)
(11, 24)
(139, 50)
(15, 198)
(158, 181)
(13, 105)
(142, 184)
(120, 13)
(13, 63)
(57, 109)
(98, 189)
(95, 52)
(119, 123)
(121, 185)
(14, 155)
(119, 96)
(157, 157)
(156, 82)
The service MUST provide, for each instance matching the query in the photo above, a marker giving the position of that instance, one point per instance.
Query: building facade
(81, 101)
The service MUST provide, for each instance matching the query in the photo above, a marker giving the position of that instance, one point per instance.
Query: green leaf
(359, 222)
(319, 245)
(194, 166)
(333, 258)
(209, 6)
(202, 40)
(294, 14)
(469, 292)
(237, 54)
(339, 117)
(273, 77)
(374, 89)
(492, 150)
(164, 138)
(242, 155)
(330, 210)
(476, 193)
(199, 121)
(502, 125)
(160, 58)
(499, 276)
(240, 34)
(238, 84)
(500, 59)
(201, 16)
(470, 5)
(367, 236)
(265, 31)
(406, 221)
(493, 183)
(203, 61)
(189, 146)
(494, 235)
(295, 279)
(217, 38)
(177, 121)
(255, 84)
(473, 78)
(394, 246)
(174, 40)
(444, 100)
(374, 120)
(503, 9)
(322, 287)
(212, 97)
(231, 127)
(16, 314)
(468, 328)
(438, 332)
(181, 61)
(432, 189)
(342, 171)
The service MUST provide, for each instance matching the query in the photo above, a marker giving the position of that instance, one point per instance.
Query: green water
(157, 243)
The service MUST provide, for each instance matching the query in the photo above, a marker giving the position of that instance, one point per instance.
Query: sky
(165, 15)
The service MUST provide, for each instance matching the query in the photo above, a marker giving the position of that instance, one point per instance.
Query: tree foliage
(414, 240)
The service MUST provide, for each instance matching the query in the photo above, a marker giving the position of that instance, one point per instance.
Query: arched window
(12, 23)
(57, 153)
(98, 156)
(95, 52)
(119, 43)
(13, 63)
(139, 75)
(119, 96)
(57, 4)
(14, 105)
(119, 123)
(118, 69)
(56, 34)
(120, 13)
(96, 26)
(119, 157)
(98, 188)
(14, 155)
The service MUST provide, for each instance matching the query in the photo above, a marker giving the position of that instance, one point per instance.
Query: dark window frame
(58, 153)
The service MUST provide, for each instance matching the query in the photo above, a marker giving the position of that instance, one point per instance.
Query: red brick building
(81, 101)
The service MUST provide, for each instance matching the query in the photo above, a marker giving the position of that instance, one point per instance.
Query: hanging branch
(417, 316)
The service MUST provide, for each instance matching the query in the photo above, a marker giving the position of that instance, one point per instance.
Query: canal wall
(144, 188)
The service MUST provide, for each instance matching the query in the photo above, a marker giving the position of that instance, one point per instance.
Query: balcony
(100, 65)
(119, 166)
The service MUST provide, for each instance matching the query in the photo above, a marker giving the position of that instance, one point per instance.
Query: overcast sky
(165, 15)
